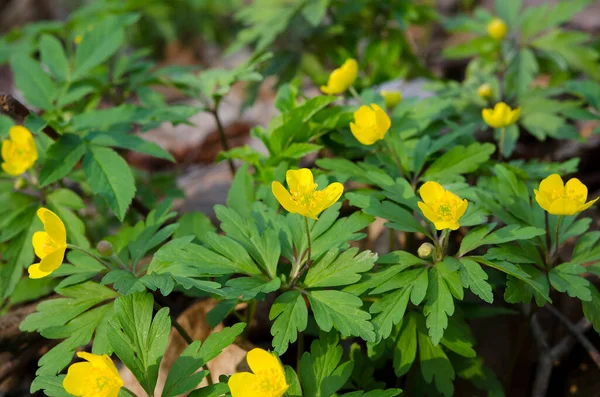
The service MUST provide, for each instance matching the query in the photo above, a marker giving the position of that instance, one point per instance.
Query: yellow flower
(370, 124)
(501, 116)
(305, 199)
(560, 199)
(78, 39)
(19, 152)
(268, 379)
(49, 245)
(441, 207)
(497, 29)
(484, 91)
(391, 98)
(96, 378)
(341, 78)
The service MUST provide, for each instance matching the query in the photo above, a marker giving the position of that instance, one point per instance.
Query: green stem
(96, 257)
(355, 94)
(223, 137)
(556, 242)
(119, 262)
(126, 390)
(307, 263)
(501, 144)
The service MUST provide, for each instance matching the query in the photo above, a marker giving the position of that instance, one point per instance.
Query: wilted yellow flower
(98, 377)
(305, 199)
(19, 152)
(391, 98)
(441, 207)
(49, 245)
(484, 91)
(341, 78)
(560, 199)
(497, 29)
(501, 115)
(268, 379)
(370, 124)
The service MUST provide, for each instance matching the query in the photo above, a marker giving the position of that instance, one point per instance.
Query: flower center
(307, 196)
(445, 210)
(100, 380)
(575, 195)
(270, 383)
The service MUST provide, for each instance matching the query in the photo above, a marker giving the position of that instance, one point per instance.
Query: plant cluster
(474, 230)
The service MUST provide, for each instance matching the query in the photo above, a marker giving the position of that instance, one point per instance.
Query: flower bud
(391, 98)
(484, 91)
(19, 183)
(497, 29)
(105, 248)
(425, 250)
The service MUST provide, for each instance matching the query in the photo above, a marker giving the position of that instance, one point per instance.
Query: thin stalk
(223, 137)
(119, 262)
(355, 94)
(126, 390)
(307, 263)
(96, 257)
(188, 339)
(557, 244)
(501, 144)
(300, 350)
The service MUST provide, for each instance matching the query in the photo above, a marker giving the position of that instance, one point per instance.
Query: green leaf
(97, 45)
(483, 378)
(405, 348)
(241, 194)
(247, 288)
(53, 55)
(56, 312)
(194, 224)
(567, 278)
(391, 309)
(458, 338)
(439, 305)
(570, 46)
(521, 72)
(129, 142)
(37, 87)
(591, 308)
(374, 393)
(508, 11)
(182, 376)
(61, 157)
(138, 339)
(51, 385)
(295, 390)
(103, 119)
(340, 233)
(320, 372)
(332, 270)
(216, 390)
(500, 236)
(459, 160)
(473, 237)
(298, 150)
(110, 177)
(291, 316)
(475, 278)
(435, 365)
(342, 310)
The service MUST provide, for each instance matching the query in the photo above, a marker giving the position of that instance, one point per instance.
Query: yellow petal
(241, 385)
(551, 184)
(35, 271)
(460, 211)
(77, 380)
(331, 194)
(542, 199)
(489, 118)
(564, 206)
(301, 180)
(6, 149)
(514, 115)
(53, 225)
(14, 169)
(428, 212)
(576, 190)
(431, 192)
(383, 121)
(441, 225)
(366, 136)
(587, 205)
(365, 116)
(284, 197)
(53, 260)
(261, 360)
(41, 243)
